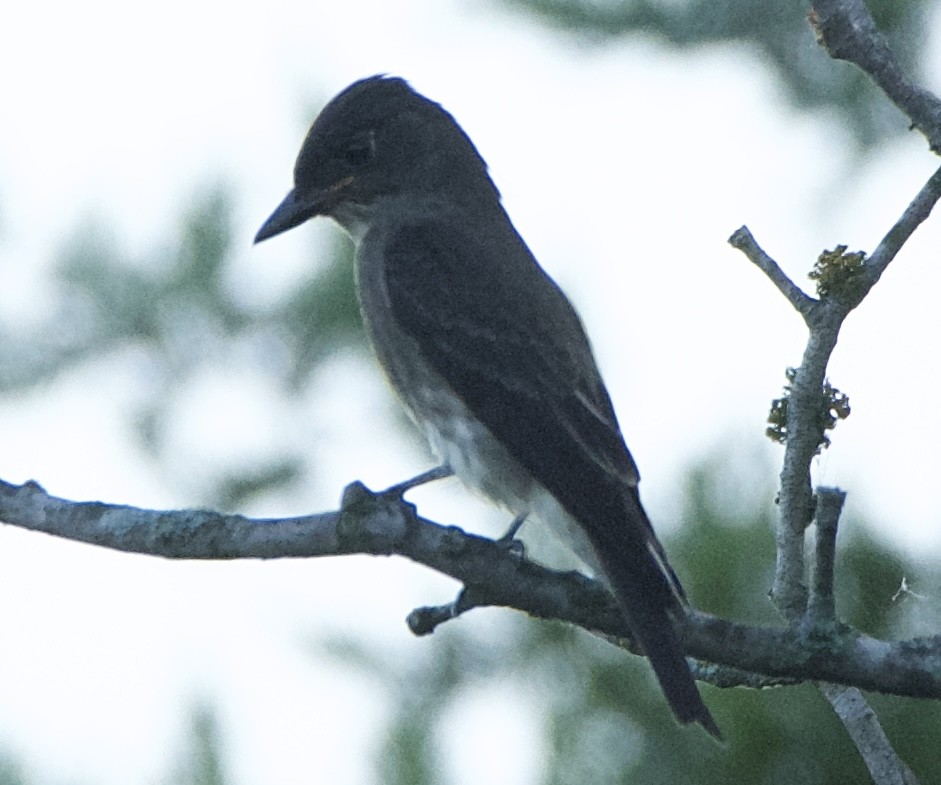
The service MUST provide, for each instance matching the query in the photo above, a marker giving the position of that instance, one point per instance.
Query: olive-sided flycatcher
(485, 351)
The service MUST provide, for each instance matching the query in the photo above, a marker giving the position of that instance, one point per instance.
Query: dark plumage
(484, 349)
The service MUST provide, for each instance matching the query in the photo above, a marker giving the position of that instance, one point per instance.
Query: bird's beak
(290, 213)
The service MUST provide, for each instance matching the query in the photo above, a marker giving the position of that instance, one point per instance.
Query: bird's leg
(510, 535)
(359, 501)
(509, 541)
(438, 473)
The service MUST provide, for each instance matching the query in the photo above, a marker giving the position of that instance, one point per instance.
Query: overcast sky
(625, 166)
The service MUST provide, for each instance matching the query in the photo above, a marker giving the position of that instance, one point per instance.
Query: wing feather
(531, 380)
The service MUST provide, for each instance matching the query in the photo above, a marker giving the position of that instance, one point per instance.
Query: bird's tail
(651, 596)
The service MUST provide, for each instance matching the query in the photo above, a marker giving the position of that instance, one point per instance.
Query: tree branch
(744, 241)
(916, 212)
(821, 608)
(863, 726)
(492, 575)
(845, 28)
(848, 703)
(824, 318)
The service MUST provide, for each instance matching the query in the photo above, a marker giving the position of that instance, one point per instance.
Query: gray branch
(821, 608)
(917, 212)
(744, 241)
(824, 318)
(863, 726)
(846, 29)
(492, 574)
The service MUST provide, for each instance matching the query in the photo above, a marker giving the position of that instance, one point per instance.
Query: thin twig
(743, 240)
(916, 212)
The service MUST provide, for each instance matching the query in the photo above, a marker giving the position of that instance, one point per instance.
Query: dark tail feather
(650, 595)
(669, 665)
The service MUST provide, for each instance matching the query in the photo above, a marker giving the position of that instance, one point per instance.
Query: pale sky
(625, 166)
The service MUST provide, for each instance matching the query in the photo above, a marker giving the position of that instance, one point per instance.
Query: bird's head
(376, 139)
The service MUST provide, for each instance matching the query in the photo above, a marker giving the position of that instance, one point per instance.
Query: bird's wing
(510, 345)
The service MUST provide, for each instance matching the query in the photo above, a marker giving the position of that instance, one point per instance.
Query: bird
(484, 350)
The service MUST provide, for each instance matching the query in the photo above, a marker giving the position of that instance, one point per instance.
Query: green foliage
(869, 576)
(726, 542)
(777, 33)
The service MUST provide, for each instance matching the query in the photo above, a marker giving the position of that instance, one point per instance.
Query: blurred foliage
(11, 772)
(202, 763)
(174, 315)
(778, 33)
(602, 715)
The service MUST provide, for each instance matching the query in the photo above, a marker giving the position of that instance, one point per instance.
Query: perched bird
(485, 351)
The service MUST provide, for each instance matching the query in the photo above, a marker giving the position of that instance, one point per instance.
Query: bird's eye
(361, 150)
